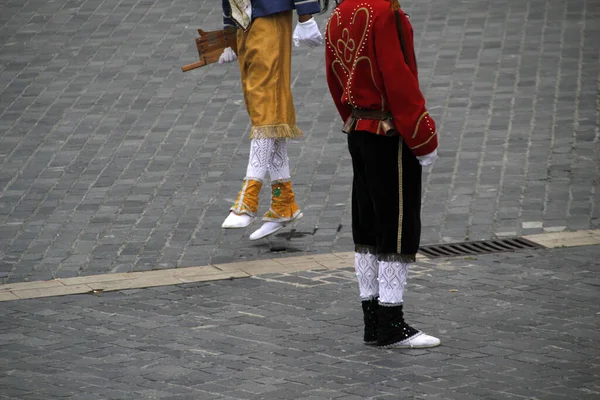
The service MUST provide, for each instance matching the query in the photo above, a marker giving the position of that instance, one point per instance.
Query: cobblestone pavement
(113, 160)
(513, 326)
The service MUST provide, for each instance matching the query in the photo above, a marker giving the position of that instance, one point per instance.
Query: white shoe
(234, 220)
(269, 228)
(417, 341)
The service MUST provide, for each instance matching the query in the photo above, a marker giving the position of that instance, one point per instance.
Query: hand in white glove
(307, 33)
(227, 56)
(428, 159)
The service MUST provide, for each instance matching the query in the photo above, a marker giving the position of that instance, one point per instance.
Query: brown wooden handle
(192, 66)
(210, 46)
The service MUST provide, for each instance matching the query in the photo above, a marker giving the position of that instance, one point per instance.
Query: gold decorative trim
(345, 49)
(333, 64)
(281, 218)
(336, 13)
(400, 199)
(425, 142)
(237, 207)
(372, 78)
(240, 206)
(419, 123)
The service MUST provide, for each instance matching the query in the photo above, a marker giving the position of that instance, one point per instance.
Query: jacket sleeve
(304, 7)
(227, 20)
(401, 85)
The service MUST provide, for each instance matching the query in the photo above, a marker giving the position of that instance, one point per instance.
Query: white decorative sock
(365, 265)
(261, 151)
(279, 162)
(392, 280)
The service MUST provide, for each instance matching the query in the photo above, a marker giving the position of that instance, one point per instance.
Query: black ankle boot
(391, 326)
(370, 317)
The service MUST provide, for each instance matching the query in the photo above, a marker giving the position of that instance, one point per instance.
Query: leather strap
(371, 114)
(384, 116)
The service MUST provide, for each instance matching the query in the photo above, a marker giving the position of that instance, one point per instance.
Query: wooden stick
(192, 66)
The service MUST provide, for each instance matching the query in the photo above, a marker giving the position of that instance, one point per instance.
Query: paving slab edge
(175, 276)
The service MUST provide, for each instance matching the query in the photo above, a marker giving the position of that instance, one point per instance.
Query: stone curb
(175, 276)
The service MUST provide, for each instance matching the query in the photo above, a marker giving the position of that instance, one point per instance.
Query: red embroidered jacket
(366, 69)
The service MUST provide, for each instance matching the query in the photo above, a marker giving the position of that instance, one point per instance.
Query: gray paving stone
(100, 130)
(512, 325)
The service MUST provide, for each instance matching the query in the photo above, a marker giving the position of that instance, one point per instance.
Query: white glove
(227, 56)
(428, 159)
(307, 33)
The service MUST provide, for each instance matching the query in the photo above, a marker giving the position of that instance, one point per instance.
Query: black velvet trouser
(386, 196)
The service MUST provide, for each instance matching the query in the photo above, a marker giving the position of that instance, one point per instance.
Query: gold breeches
(265, 58)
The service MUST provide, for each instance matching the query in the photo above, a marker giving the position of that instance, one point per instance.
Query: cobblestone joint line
(176, 276)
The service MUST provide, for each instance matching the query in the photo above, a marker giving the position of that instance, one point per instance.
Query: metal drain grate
(477, 247)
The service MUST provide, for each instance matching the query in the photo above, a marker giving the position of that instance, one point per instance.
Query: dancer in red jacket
(372, 77)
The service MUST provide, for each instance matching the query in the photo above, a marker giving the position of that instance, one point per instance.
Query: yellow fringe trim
(275, 131)
(395, 5)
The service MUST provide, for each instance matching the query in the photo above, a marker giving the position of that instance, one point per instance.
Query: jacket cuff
(304, 7)
(228, 22)
(425, 138)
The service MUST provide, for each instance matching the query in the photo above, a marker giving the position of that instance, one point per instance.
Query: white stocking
(279, 163)
(261, 151)
(392, 280)
(365, 265)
